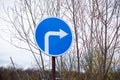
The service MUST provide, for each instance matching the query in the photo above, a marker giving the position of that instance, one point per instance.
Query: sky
(21, 58)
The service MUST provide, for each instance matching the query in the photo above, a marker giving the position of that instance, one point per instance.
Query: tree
(102, 23)
(23, 18)
(96, 27)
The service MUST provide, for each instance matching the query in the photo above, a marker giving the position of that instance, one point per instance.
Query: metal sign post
(53, 68)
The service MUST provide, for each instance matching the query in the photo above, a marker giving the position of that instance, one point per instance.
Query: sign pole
(53, 68)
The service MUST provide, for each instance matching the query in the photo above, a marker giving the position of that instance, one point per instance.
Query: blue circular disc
(53, 36)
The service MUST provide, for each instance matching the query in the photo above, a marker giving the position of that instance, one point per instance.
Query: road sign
(53, 36)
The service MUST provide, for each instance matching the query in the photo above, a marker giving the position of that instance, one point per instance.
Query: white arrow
(60, 33)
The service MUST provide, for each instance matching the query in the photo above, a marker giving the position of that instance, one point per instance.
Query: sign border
(44, 51)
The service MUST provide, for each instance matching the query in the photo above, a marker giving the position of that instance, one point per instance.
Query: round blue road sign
(53, 36)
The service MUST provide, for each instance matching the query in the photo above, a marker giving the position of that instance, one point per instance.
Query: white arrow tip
(63, 33)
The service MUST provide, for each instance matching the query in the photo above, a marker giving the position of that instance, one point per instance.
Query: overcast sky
(20, 57)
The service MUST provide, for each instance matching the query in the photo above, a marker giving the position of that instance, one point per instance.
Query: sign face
(53, 36)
